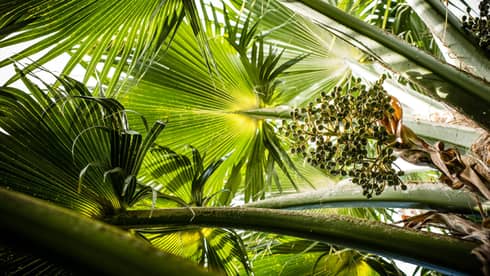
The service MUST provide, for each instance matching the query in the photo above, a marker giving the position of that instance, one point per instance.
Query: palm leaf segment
(78, 151)
(72, 148)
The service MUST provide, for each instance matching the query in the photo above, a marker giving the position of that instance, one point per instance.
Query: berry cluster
(479, 27)
(340, 133)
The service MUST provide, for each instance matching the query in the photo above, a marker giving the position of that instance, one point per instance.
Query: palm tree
(224, 78)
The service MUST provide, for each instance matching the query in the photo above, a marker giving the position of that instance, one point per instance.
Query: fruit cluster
(340, 133)
(479, 27)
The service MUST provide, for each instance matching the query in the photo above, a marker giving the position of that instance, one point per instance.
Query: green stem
(417, 196)
(267, 113)
(440, 252)
(86, 244)
(386, 15)
(456, 135)
(451, 19)
(461, 52)
(477, 89)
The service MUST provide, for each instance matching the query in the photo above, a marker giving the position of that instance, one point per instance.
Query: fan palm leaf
(218, 249)
(69, 147)
(37, 149)
(322, 68)
(339, 263)
(14, 262)
(96, 34)
(198, 100)
(176, 175)
(284, 255)
(253, 68)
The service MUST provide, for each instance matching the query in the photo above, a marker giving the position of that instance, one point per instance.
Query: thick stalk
(267, 113)
(474, 89)
(461, 52)
(81, 242)
(435, 251)
(453, 134)
(417, 196)
(456, 135)
(441, 8)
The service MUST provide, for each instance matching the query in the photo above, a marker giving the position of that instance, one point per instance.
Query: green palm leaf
(199, 100)
(170, 172)
(347, 262)
(321, 69)
(167, 171)
(99, 31)
(69, 147)
(217, 249)
(37, 155)
(285, 255)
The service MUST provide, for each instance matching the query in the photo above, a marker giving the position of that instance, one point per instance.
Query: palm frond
(407, 24)
(289, 255)
(37, 154)
(214, 104)
(217, 249)
(167, 171)
(321, 68)
(201, 177)
(322, 263)
(69, 147)
(99, 31)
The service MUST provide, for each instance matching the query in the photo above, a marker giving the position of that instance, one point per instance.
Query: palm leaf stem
(447, 254)
(439, 6)
(84, 243)
(475, 88)
(267, 113)
(461, 52)
(452, 134)
(457, 135)
(417, 196)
